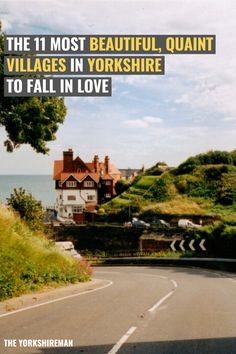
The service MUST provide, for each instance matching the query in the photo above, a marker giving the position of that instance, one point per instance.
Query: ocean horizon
(40, 186)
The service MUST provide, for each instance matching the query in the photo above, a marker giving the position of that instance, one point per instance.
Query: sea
(42, 187)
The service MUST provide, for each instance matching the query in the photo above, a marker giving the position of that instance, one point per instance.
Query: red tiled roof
(80, 176)
(107, 176)
(114, 173)
(58, 168)
(90, 165)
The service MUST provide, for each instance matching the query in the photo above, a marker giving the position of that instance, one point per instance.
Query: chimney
(96, 163)
(107, 163)
(68, 160)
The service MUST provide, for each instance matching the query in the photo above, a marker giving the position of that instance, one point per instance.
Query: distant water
(40, 186)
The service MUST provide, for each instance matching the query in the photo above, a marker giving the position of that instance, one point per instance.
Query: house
(129, 174)
(80, 185)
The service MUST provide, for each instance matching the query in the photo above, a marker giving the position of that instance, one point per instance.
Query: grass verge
(28, 261)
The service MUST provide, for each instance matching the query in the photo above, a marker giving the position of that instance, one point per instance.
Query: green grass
(28, 261)
(202, 185)
(145, 182)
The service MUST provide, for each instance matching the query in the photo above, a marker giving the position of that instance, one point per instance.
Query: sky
(189, 110)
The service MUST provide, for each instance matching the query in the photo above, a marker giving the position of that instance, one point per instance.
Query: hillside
(202, 185)
(28, 261)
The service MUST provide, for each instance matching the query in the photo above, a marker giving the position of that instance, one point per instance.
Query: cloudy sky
(191, 109)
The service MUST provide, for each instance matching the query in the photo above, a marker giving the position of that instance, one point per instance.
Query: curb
(48, 294)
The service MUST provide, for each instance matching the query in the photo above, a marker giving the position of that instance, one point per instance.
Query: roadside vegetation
(203, 185)
(29, 208)
(29, 261)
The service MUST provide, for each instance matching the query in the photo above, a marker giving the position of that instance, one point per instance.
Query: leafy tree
(216, 157)
(121, 186)
(29, 208)
(188, 166)
(28, 120)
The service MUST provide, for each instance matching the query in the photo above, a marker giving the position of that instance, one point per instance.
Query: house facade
(80, 185)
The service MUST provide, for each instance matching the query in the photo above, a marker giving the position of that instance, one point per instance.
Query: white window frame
(77, 209)
(107, 195)
(71, 184)
(108, 183)
(88, 183)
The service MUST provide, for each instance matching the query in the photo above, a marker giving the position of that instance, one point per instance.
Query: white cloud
(144, 122)
(194, 86)
(229, 119)
(182, 99)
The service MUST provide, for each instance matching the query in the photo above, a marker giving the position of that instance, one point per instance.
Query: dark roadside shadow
(194, 346)
(183, 268)
(202, 271)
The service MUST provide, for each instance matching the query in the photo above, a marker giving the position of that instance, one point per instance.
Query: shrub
(121, 186)
(161, 189)
(188, 166)
(30, 209)
(209, 158)
(215, 172)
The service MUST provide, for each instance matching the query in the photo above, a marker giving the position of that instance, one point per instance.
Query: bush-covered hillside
(28, 261)
(204, 184)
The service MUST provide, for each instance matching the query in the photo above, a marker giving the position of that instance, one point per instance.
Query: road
(142, 310)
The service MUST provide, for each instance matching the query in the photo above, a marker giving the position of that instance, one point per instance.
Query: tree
(29, 208)
(121, 186)
(28, 120)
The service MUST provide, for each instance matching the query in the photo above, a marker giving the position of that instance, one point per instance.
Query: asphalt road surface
(141, 310)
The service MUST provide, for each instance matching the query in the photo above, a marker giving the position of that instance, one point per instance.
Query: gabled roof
(94, 176)
(88, 168)
(82, 163)
(79, 176)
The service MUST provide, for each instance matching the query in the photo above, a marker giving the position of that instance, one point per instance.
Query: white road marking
(122, 340)
(153, 308)
(56, 300)
(152, 275)
(158, 304)
(106, 272)
(174, 283)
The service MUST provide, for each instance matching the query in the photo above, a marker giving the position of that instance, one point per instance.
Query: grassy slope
(192, 193)
(28, 261)
(136, 192)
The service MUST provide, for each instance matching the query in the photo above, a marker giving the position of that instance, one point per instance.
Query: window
(91, 197)
(71, 197)
(108, 183)
(70, 184)
(108, 195)
(77, 209)
(59, 184)
(88, 184)
(60, 196)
